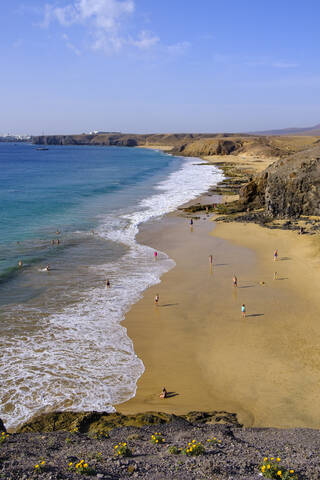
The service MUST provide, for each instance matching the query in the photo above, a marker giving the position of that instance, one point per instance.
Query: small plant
(157, 438)
(81, 467)
(68, 440)
(131, 469)
(173, 450)
(193, 449)
(271, 468)
(98, 456)
(74, 430)
(3, 437)
(100, 435)
(122, 450)
(40, 466)
(214, 441)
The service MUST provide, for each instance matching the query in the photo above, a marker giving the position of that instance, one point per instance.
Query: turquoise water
(61, 339)
(66, 188)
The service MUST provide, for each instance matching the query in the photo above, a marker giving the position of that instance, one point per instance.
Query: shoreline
(195, 343)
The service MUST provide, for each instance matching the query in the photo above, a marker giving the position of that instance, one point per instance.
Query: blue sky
(70, 66)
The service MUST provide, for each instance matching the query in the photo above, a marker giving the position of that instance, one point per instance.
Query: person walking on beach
(156, 299)
(191, 222)
(275, 255)
(210, 260)
(234, 280)
(155, 255)
(108, 285)
(275, 275)
(243, 310)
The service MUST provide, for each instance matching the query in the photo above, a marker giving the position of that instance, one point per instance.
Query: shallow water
(61, 339)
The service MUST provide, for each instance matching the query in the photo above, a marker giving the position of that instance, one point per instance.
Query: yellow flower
(193, 441)
(124, 444)
(265, 459)
(271, 458)
(116, 446)
(157, 441)
(278, 459)
(268, 467)
(70, 464)
(291, 471)
(85, 465)
(214, 438)
(263, 468)
(36, 466)
(43, 462)
(219, 441)
(81, 461)
(279, 473)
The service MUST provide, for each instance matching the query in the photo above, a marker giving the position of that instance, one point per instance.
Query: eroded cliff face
(289, 187)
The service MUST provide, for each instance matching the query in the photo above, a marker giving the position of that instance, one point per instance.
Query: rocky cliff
(289, 187)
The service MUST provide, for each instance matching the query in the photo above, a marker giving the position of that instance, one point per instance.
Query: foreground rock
(103, 422)
(235, 454)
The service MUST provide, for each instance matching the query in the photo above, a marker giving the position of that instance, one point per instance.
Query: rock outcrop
(289, 187)
(85, 422)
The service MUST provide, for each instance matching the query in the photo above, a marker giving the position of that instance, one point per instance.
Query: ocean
(61, 340)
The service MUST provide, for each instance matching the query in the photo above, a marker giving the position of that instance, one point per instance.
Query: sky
(143, 66)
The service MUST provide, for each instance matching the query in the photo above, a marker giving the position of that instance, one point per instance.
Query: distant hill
(313, 131)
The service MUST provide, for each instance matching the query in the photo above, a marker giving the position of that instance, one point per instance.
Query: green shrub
(122, 450)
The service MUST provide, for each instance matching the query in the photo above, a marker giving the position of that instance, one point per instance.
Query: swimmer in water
(58, 232)
(47, 268)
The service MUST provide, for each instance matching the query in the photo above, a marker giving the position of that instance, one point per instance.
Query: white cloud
(105, 20)
(145, 40)
(70, 45)
(178, 48)
(274, 64)
(284, 65)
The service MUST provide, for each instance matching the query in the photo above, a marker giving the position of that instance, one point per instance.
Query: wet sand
(265, 368)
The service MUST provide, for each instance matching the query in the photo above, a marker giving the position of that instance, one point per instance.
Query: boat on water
(42, 148)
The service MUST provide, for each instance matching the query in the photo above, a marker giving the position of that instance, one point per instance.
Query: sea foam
(81, 358)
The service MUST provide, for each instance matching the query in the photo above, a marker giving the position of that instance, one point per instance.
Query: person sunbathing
(164, 393)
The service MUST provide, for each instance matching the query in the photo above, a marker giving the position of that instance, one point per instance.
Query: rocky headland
(57, 445)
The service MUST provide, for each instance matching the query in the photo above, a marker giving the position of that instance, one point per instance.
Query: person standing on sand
(275, 255)
(235, 280)
(155, 255)
(108, 285)
(243, 310)
(211, 260)
(275, 275)
(191, 222)
(156, 299)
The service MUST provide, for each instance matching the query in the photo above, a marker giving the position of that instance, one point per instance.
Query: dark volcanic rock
(2, 427)
(235, 454)
(288, 188)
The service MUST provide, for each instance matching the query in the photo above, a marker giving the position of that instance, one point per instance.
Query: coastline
(264, 368)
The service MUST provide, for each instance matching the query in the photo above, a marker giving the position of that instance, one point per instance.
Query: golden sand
(265, 367)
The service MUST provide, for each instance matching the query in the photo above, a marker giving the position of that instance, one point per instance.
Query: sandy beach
(265, 367)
